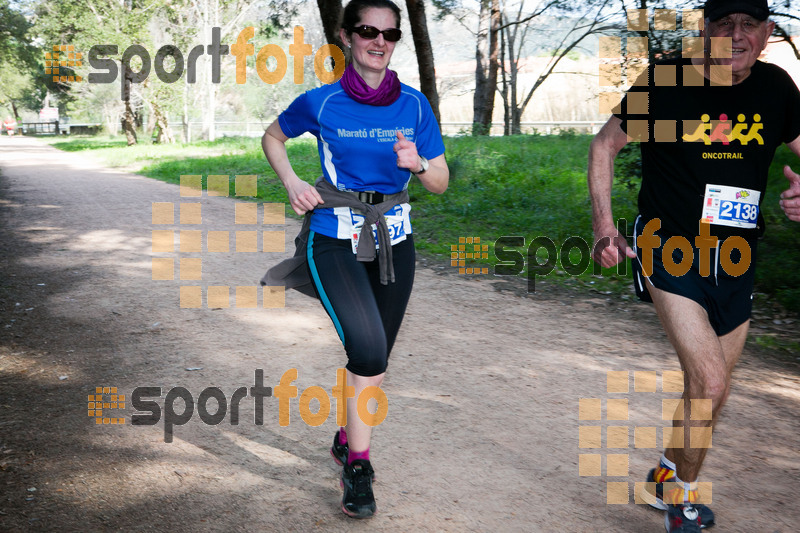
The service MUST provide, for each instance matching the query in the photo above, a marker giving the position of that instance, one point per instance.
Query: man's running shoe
(358, 500)
(682, 519)
(339, 451)
(653, 494)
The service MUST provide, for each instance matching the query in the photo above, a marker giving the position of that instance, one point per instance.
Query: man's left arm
(790, 198)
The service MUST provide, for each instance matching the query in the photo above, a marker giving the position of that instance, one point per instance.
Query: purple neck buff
(355, 86)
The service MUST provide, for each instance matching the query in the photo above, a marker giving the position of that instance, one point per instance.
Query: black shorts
(727, 299)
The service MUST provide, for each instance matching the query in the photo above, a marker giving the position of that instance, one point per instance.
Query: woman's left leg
(392, 300)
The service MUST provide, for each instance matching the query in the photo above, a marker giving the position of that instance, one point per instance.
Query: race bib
(394, 221)
(731, 206)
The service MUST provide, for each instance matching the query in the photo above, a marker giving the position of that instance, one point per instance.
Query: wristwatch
(425, 166)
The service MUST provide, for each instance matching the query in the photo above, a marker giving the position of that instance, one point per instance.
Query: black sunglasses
(371, 32)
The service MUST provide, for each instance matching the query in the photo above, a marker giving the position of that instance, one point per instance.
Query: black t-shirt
(723, 135)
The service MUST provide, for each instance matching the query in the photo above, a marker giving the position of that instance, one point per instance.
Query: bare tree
(486, 66)
(330, 11)
(202, 19)
(784, 14)
(515, 30)
(424, 52)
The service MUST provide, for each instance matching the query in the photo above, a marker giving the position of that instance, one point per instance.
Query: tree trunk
(422, 44)
(513, 67)
(110, 118)
(209, 116)
(185, 114)
(209, 105)
(164, 135)
(128, 118)
(485, 68)
(128, 123)
(331, 13)
(504, 93)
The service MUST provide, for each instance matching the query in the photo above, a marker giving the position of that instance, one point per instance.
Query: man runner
(707, 141)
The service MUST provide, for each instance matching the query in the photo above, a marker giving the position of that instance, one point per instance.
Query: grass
(526, 186)
(775, 343)
(530, 187)
(778, 261)
(114, 152)
(226, 156)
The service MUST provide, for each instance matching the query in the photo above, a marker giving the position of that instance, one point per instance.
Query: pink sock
(342, 436)
(354, 456)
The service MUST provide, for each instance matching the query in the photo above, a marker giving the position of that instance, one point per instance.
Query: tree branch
(592, 28)
(529, 17)
(781, 32)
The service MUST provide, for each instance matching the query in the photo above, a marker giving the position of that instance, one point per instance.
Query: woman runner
(372, 133)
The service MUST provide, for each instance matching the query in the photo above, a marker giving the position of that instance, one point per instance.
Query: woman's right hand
(302, 196)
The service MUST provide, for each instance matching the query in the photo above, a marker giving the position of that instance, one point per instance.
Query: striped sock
(690, 492)
(665, 471)
(355, 456)
(676, 491)
(342, 436)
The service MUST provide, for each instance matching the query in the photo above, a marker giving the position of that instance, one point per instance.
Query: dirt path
(483, 386)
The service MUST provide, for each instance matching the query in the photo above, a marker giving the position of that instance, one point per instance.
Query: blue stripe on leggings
(322, 296)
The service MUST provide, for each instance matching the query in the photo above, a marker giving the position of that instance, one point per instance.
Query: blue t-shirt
(355, 143)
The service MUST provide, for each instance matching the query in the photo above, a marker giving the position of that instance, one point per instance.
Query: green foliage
(447, 5)
(16, 85)
(278, 18)
(15, 47)
(83, 24)
(628, 166)
(17, 58)
(567, 134)
(776, 343)
(778, 270)
(155, 23)
(479, 129)
(528, 186)
(501, 185)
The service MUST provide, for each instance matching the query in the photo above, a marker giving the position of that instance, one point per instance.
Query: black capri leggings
(366, 314)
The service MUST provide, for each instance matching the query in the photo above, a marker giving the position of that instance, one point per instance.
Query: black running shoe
(654, 494)
(682, 519)
(358, 500)
(656, 499)
(339, 451)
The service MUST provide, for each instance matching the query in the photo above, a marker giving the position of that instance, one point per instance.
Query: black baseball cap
(716, 9)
